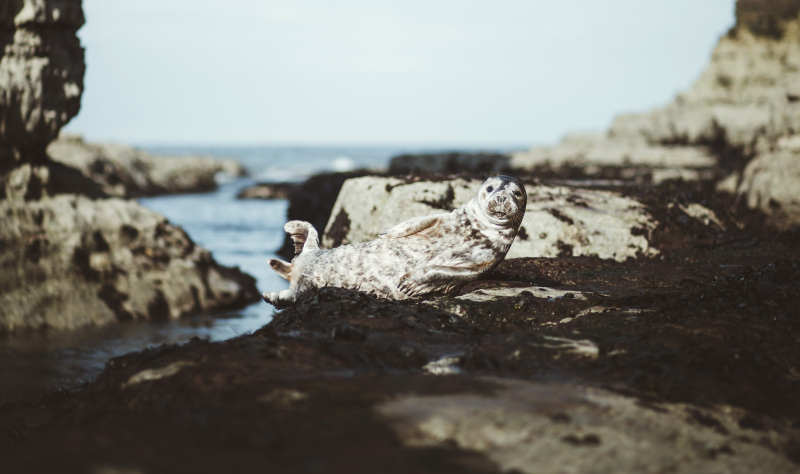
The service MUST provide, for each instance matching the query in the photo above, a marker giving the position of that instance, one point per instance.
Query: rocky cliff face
(41, 74)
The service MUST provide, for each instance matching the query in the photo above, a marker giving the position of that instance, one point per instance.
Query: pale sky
(370, 72)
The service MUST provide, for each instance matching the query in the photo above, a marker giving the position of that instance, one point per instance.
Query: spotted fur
(430, 254)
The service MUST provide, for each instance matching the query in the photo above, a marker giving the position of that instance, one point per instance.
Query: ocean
(243, 233)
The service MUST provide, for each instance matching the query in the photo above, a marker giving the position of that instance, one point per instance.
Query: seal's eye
(490, 189)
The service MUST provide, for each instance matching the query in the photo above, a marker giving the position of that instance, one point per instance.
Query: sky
(214, 72)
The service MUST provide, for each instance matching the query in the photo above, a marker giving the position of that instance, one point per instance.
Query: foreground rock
(69, 261)
(123, 171)
(571, 364)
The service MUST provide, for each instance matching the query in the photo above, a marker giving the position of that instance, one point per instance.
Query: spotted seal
(430, 254)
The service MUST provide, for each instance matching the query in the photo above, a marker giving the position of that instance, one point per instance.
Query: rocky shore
(72, 254)
(647, 320)
(125, 172)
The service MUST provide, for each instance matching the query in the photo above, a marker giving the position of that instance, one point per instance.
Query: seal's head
(503, 200)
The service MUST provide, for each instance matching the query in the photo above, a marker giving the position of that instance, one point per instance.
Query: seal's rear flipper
(284, 269)
(304, 236)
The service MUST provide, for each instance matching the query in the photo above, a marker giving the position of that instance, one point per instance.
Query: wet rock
(70, 261)
(123, 171)
(560, 220)
(267, 191)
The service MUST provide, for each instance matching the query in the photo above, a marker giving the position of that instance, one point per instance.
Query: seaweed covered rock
(564, 364)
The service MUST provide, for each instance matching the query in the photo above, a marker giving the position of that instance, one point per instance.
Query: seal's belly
(378, 266)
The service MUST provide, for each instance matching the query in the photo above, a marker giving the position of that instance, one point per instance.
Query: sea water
(241, 233)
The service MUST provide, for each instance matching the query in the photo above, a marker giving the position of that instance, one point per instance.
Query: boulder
(559, 221)
(69, 261)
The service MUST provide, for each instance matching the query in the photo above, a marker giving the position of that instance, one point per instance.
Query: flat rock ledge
(70, 261)
(123, 171)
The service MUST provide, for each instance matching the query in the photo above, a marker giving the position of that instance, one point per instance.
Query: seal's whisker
(527, 220)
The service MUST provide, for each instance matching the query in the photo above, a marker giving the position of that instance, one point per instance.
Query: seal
(438, 253)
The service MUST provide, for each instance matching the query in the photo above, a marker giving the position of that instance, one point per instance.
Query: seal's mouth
(503, 208)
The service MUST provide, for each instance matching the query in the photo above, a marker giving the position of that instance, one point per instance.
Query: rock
(560, 220)
(596, 155)
(70, 261)
(123, 171)
(41, 74)
(267, 191)
(453, 162)
(771, 183)
(534, 426)
(681, 364)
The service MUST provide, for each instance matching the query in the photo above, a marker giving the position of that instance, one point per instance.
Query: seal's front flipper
(284, 269)
(435, 279)
(412, 226)
(279, 299)
(304, 236)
